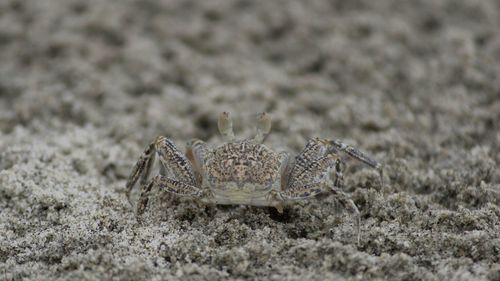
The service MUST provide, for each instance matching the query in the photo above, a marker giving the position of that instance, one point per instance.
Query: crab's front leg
(141, 169)
(174, 163)
(356, 154)
(312, 179)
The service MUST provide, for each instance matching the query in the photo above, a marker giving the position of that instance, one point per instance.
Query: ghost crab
(246, 171)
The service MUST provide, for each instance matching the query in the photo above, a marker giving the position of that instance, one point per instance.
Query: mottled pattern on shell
(243, 162)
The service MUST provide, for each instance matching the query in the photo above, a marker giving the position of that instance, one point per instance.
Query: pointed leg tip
(358, 228)
(129, 200)
(279, 209)
(138, 215)
(358, 238)
(139, 219)
(380, 169)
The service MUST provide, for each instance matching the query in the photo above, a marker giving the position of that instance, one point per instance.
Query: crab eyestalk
(225, 124)
(263, 127)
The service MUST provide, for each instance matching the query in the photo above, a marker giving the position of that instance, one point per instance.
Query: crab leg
(172, 160)
(196, 151)
(168, 184)
(358, 155)
(312, 172)
(313, 150)
(312, 190)
(349, 205)
(341, 197)
(141, 169)
(300, 191)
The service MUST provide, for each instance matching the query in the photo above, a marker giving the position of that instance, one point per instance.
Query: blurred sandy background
(85, 85)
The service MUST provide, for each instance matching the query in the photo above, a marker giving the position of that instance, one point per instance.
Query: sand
(86, 85)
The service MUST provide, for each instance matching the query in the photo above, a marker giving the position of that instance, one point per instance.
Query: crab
(246, 172)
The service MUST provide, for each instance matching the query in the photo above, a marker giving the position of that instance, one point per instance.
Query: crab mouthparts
(246, 194)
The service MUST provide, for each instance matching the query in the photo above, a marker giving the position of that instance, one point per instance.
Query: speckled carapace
(246, 171)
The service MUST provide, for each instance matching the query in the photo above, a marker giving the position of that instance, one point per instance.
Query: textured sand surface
(85, 85)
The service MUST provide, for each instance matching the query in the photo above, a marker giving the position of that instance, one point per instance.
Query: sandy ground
(85, 85)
